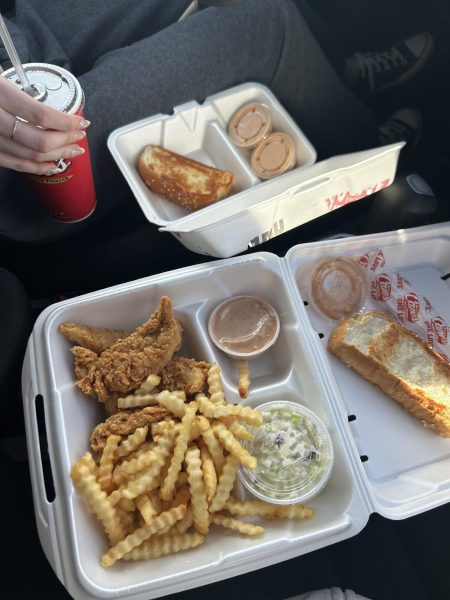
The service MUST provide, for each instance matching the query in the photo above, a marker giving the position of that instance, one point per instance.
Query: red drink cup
(69, 194)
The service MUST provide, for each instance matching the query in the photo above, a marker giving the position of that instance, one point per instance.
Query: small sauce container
(294, 454)
(273, 156)
(249, 125)
(337, 286)
(244, 327)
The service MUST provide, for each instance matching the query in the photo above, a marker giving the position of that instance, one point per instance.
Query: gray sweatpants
(133, 60)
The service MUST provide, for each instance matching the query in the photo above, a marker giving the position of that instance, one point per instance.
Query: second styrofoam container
(257, 210)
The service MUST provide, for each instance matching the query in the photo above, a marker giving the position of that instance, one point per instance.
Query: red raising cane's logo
(440, 328)
(381, 288)
(364, 260)
(343, 198)
(412, 307)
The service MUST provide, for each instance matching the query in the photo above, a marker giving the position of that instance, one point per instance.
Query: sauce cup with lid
(244, 327)
(250, 124)
(336, 286)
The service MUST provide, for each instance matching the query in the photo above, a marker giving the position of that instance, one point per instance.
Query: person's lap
(212, 51)
(86, 30)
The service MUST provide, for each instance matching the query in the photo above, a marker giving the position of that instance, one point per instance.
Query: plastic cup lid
(338, 286)
(294, 453)
(56, 86)
(273, 156)
(250, 124)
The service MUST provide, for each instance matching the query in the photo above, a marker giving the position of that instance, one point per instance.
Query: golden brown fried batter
(180, 374)
(124, 423)
(185, 374)
(111, 406)
(96, 339)
(129, 361)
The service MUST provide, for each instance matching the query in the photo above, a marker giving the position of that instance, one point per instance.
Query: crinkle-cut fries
(159, 490)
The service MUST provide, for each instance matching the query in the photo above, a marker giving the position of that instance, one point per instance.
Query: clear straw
(191, 9)
(14, 57)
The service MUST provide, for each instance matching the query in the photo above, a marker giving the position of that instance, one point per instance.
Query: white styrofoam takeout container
(407, 470)
(256, 210)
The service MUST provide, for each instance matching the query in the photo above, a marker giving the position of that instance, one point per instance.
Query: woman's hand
(43, 136)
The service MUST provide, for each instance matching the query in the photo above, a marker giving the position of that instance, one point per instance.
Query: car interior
(403, 559)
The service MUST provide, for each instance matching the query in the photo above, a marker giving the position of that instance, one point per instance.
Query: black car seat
(15, 327)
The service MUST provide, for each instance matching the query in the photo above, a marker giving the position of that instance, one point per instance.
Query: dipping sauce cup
(250, 124)
(336, 286)
(244, 327)
(273, 156)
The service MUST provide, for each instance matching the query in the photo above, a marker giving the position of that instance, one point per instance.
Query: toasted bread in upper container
(182, 180)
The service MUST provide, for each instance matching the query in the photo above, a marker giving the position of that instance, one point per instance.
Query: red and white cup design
(69, 194)
(393, 293)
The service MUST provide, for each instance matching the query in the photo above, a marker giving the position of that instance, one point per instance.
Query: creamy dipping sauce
(338, 287)
(244, 325)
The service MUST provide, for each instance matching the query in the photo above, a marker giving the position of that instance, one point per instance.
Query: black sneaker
(368, 73)
(405, 125)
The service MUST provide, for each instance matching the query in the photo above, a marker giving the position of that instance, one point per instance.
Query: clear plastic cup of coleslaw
(294, 452)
